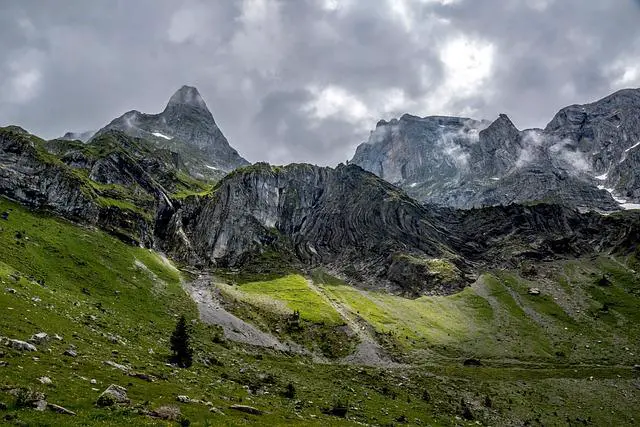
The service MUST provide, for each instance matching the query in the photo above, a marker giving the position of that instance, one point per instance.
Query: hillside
(110, 302)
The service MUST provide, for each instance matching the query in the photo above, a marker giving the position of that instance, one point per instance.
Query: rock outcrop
(586, 157)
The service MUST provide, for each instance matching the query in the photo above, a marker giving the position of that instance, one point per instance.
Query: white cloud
(334, 101)
(25, 78)
(259, 43)
(189, 24)
(539, 5)
(467, 66)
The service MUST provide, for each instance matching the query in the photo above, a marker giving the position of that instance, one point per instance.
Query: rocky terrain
(584, 158)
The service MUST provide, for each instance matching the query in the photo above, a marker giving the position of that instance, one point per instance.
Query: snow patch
(413, 184)
(631, 148)
(211, 167)
(602, 177)
(160, 135)
(622, 202)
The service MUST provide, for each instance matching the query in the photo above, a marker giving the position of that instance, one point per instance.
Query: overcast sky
(306, 80)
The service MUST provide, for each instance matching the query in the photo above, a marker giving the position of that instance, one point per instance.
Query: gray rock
(39, 338)
(70, 353)
(112, 395)
(533, 291)
(40, 405)
(116, 365)
(45, 380)
(59, 409)
(216, 411)
(183, 399)
(22, 345)
(247, 409)
(10, 290)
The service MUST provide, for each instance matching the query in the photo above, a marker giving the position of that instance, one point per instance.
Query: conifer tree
(180, 344)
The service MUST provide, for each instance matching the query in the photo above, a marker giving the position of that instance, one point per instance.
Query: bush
(290, 391)
(25, 397)
(180, 344)
(106, 400)
(168, 412)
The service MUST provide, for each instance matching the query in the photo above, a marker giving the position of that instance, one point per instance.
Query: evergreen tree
(180, 345)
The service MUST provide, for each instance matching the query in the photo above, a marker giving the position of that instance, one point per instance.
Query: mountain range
(455, 271)
(584, 158)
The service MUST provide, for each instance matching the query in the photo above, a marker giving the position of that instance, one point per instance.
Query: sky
(307, 80)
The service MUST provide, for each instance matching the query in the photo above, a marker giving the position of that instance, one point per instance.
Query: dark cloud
(305, 80)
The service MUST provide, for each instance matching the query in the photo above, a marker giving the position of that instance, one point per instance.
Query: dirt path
(235, 329)
(368, 352)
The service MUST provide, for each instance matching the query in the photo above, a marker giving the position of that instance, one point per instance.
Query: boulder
(45, 380)
(112, 395)
(59, 409)
(70, 353)
(40, 405)
(39, 338)
(472, 362)
(247, 409)
(533, 291)
(22, 345)
(183, 399)
(116, 365)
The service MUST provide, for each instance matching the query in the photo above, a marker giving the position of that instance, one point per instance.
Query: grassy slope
(496, 320)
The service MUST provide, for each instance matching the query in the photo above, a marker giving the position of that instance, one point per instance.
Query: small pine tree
(180, 345)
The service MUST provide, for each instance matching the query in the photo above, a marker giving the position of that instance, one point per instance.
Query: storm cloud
(306, 80)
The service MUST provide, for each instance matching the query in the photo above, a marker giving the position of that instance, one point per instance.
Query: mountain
(372, 234)
(300, 216)
(584, 158)
(185, 126)
(115, 181)
(78, 136)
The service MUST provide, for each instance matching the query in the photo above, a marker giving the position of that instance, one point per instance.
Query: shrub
(290, 391)
(168, 412)
(27, 397)
(106, 400)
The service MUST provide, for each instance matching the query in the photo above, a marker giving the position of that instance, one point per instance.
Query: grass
(296, 294)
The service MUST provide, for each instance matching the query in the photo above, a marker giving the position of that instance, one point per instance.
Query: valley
(316, 295)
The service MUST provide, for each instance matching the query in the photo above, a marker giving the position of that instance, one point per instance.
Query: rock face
(186, 126)
(114, 181)
(586, 157)
(371, 233)
(344, 218)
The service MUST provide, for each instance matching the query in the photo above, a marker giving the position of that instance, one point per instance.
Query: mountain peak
(187, 95)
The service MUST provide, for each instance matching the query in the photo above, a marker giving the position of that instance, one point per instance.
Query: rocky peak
(501, 130)
(78, 136)
(187, 127)
(187, 96)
